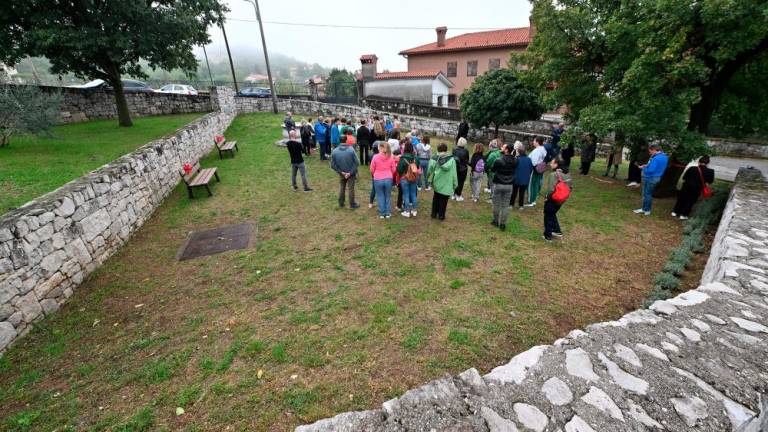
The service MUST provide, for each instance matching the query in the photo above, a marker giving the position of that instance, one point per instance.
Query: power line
(359, 27)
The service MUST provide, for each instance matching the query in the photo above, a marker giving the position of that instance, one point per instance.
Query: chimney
(441, 31)
(531, 27)
(368, 69)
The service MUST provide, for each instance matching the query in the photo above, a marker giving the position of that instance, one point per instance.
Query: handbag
(541, 167)
(706, 191)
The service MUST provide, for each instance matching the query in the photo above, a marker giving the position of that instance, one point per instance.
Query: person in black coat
(461, 154)
(588, 150)
(463, 130)
(364, 141)
(693, 183)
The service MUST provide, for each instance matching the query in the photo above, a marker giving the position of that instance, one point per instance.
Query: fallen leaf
(96, 321)
(259, 374)
(139, 305)
(179, 411)
(293, 377)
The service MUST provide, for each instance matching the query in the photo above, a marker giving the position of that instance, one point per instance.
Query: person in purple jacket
(652, 172)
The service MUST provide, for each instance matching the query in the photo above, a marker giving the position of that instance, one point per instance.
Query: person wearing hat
(461, 154)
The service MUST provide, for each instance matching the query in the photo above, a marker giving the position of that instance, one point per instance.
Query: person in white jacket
(537, 155)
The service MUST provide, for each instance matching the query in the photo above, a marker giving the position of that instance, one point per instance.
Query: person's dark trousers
(519, 192)
(344, 184)
(364, 147)
(551, 224)
(399, 196)
(686, 198)
(305, 143)
(585, 167)
(323, 150)
(439, 205)
(635, 173)
(462, 178)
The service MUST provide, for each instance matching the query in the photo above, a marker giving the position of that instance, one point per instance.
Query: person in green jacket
(493, 154)
(444, 179)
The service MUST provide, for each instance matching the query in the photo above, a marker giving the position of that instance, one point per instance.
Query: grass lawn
(330, 310)
(32, 166)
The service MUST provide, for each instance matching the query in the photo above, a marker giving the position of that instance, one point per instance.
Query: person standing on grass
(297, 161)
(383, 171)
(378, 129)
(566, 155)
(364, 141)
(306, 136)
(614, 159)
(408, 172)
(463, 130)
(522, 175)
(288, 122)
(494, 152)
(537, 159)
(424, 153)
(551, 203)
(588, 151)
(504, 179)
(652, 172)
(322, 141)
(638, 155)
(477, 171)
(351, 140)
(394, 142)
(335, 133)
(444, 178)
(344, 162)
(694, 180)
(462, 166)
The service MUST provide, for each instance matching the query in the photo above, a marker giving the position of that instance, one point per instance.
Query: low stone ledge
(696, 361)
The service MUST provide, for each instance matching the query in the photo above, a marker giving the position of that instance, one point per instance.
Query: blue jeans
(649, 184)
(424, 164)
(409, 194)
(383, 190)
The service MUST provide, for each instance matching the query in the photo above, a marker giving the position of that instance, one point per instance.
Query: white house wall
(410, 90)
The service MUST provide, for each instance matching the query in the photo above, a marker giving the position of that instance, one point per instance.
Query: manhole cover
(216, 240)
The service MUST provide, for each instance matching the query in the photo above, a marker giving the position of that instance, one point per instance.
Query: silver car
(177, 89)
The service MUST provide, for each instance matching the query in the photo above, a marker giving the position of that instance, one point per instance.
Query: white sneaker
(381, 217)
(459, 198)
(674, 214)
(414, 213)
(453, 197)
(405, 214)
(647, 213)
(683, 217)
(487, 190)
(418, 188)
(533, 204)
(631, 184)
(474, 200)
(429, 188)
(638, 211)
(370, 205)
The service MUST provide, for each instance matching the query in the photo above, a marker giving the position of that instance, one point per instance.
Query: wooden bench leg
(217, 176)
(220, 155)
(189, 192)
(238, 150)
(209, 190)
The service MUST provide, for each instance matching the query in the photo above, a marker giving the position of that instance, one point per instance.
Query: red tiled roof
(408, 74)
(480, 40)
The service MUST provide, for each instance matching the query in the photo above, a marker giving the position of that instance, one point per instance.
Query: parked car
(129, 86)
(258, 92)
(177, 89)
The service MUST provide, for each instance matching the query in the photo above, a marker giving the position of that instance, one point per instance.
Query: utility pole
(266, 57)
(209, 66)
(229, 54)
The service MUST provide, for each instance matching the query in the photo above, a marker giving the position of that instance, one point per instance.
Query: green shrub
(674, 268)
(682, 255)
(666, 281)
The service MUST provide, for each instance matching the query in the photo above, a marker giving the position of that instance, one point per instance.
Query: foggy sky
(342, 47)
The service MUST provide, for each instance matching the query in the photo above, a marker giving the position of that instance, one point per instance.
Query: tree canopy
(499, 98)
(655, 69)
(106, 39)
(26, 110)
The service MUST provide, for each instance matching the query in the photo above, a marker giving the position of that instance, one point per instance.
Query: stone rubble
(697, 361)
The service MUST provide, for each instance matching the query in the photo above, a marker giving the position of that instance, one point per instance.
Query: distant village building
(256, 78)
(461, 59)
(430, 87)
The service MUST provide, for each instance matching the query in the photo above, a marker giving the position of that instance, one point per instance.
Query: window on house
(472, 68)
(451, 100)
(452, 66)
(494, 64)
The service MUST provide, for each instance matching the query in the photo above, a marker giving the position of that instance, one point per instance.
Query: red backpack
(561, 192)
(706, 191)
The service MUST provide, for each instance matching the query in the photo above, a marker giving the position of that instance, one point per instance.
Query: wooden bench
(198, 177)
(225, 146)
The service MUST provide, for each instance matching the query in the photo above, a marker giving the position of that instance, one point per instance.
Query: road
(727, 167)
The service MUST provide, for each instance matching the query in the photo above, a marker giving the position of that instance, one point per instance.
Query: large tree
(499, 98)
(106, 38)
(655, 69)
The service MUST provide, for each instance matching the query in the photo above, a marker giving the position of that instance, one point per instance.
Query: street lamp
(266, 57)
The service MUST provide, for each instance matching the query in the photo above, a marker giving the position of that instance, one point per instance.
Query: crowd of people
(513, 175)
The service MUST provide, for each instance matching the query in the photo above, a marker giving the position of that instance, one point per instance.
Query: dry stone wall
(49, 245)
(524, 132)
(698, 361)
(79, 105)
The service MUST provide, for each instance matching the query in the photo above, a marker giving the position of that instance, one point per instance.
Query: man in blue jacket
(652, 172)
(320, 136)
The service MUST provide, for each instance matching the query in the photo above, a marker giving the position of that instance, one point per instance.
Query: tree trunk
(123, 115)
(495, 130)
